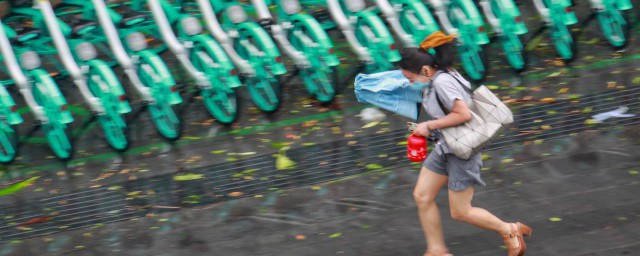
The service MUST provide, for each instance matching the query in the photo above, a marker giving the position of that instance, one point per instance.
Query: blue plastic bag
(390, 90)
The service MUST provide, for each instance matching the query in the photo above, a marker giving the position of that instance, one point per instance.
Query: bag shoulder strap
(444, 109)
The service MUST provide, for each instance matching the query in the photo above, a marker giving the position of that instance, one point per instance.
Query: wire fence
(316, 164)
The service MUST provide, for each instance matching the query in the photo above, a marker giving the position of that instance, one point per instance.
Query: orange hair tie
(436, 39)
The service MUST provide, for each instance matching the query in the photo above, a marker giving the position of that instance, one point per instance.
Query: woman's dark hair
(445, 55)
(414, 58)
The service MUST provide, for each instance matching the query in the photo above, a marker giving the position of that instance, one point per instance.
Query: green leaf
(336, 235)
(555, 219)
(369, 125)
(15, 188)
(217, 152)
(634, 172)
(373, 166)
(186, 177)
(283, 162)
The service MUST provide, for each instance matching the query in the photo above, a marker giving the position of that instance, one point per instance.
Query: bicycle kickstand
(135, 114)
(84, 126)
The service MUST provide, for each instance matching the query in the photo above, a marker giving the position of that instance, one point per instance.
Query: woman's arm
(459, 114)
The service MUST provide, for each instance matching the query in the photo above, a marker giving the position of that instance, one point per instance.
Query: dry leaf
(236, 194)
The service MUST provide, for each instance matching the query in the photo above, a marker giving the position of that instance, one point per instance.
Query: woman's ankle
(505, 229)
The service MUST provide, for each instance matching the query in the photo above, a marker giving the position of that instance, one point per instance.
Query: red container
(416, 148)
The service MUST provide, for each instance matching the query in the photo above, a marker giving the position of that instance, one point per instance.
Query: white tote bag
(488, 117)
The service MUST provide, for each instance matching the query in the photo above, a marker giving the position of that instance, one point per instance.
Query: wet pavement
(163, 198)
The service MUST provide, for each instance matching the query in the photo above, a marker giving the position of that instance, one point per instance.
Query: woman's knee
(459, 213)
(423, 198)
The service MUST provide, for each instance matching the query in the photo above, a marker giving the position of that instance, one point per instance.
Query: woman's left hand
(422, 129)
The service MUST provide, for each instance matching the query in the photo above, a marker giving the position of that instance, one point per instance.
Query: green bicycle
(613, 19)
(410, 20)
(506, 20)
(302, 38)
(249, 47)
(93, 77)
(201, 56)
(40, 91)
(558, 15)
(369, 38)
(463, 18)
(147, 72)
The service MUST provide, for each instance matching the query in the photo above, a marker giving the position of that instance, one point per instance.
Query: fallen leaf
(369, 125)
(634, 172)
(242, 154)
(548, 100)
(283, 162)
(300, 237)
(217, 152)
(507, 160)
(555, 219)
(373, 166)
(236, 194)
(187, 177)
(563, 90)
(15, 188)
(336, 235)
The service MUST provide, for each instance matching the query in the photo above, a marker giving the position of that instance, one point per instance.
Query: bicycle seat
(266, 24)
(24, 34)
(80, 27)
(129, 16)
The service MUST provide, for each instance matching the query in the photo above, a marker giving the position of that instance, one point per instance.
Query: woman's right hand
(422, 129)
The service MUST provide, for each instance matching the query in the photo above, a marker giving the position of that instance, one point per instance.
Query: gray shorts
(462, 173)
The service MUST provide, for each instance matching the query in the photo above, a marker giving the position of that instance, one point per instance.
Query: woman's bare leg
(427, 187)
(461, 210)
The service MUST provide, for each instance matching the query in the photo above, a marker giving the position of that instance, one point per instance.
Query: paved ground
(575, 183)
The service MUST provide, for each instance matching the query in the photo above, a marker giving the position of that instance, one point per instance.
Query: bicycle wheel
(514, 52)
(8, 142)
(264, 90)
(112, 122)
(614, 27)
(318, 84)
(265, 93)
(221, 101)
(59, 140)
(163, 116)
(223, 104)
(473, 61)
(563, 42)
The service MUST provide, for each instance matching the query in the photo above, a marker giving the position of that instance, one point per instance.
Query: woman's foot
(514, 239)
(442, 253)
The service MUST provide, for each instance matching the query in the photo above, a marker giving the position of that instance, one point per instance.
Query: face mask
(421, 85)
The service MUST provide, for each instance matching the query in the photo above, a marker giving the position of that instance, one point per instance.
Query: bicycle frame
(251, 49)
(215, 75)
(93, 77)
(146, 71)
(302, 39)
(558, 15)
(39, 90)
(463, 18)
(409, 19)
(9, 117)
(365, 32)
(612, 19)
(505, 19)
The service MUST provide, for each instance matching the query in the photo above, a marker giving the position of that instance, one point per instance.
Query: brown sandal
(518, 230)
